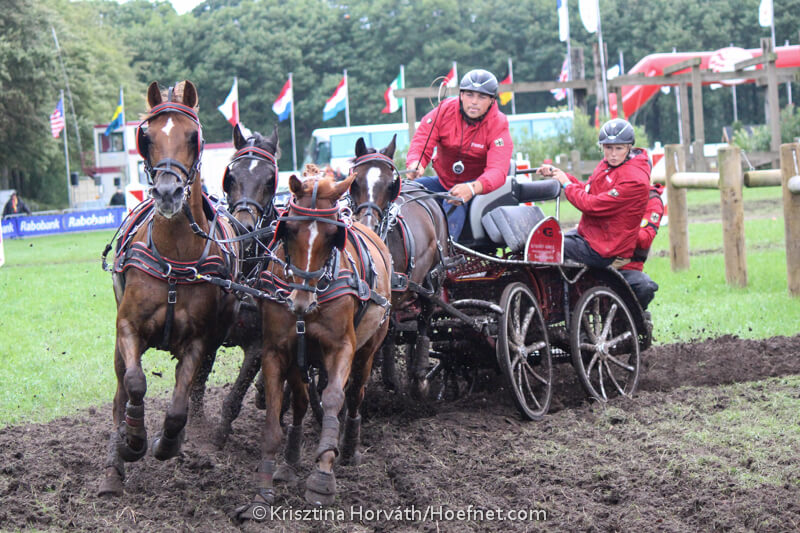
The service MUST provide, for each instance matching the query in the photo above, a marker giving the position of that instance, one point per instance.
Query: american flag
(57, 119)
(560, 94)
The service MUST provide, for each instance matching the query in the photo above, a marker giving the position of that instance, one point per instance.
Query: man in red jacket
(644, 287)
(612, 202)
(473, 144)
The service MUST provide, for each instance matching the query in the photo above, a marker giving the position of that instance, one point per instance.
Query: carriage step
(454, 261)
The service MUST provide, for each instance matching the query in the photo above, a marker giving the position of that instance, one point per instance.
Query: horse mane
(264, 142)
(326, 184)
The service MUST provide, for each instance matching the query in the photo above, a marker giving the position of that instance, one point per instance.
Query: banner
(2, 253)
(32, 226)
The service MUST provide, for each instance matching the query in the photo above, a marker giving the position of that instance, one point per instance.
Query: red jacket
(485, 148)
(648, 228)
(613, 203)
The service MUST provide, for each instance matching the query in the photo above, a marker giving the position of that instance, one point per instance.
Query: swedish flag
(118, 120)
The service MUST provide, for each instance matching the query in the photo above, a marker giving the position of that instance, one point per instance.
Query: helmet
(616, 131)
(480, 81)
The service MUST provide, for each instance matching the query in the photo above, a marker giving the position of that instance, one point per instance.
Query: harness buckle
(172, 296)
(300, 327)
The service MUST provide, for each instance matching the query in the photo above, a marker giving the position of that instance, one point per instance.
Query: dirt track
(588, 468)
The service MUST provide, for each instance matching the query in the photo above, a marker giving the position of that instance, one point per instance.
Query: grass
(57, 332)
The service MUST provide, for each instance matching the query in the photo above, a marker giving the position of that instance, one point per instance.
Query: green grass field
(57, 329)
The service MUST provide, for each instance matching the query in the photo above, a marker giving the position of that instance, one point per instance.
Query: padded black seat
(510, 225)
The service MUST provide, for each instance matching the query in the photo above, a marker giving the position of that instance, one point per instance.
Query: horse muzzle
(302, 302)
(168, 198)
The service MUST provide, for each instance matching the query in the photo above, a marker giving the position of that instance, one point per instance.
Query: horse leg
(359, 375)
(198, 392)
(167, 443)
(421, 350)
(388, 367)
(321, 483)
(128, 441)
(232, 404)
(294, 433)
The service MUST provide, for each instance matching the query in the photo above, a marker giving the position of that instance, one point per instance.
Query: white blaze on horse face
(373, 179)
(313, 237)
(253, 164)
(168, 126)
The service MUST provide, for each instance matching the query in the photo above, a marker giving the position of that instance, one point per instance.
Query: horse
(414, 227)
(249, 184)
(330, 287)
(167, 246)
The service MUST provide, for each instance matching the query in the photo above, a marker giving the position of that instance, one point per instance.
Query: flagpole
(69, 96)
(291, 115)
(511, 73)
(772, 23)
(455, 74)
(346, 100)
(66, 159)
(570, 95)
(602, 61)
(403, 86)
(788, 83)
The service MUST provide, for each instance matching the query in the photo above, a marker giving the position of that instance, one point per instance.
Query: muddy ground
(586, 467)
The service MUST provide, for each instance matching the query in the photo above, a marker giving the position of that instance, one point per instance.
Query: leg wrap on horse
(352, 436)
(165, 447)
(329, 436)
(294, 443)
(264, 485)
(132, 428)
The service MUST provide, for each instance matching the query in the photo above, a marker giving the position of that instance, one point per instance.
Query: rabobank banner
(31, 226)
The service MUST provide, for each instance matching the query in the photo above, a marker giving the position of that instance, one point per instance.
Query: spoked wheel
(605, 347)
(523, 351)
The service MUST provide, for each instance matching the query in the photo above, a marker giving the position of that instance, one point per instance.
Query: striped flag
(561, 93)
(451, 79)
(283, 104)
(506, 97)
(392, 102)
(337, 102)
(57, 119)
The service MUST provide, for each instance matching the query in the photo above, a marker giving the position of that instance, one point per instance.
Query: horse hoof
(166, 448)
(352, 460)
(257, 511)
(419, 389)
(128, 453)
(112, 484)
(320, 488)
(285, 473)
(219, 438)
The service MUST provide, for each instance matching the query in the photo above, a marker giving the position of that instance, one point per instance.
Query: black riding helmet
(479, 81)
(616, 131)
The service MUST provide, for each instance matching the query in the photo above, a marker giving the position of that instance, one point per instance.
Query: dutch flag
(337, 102)
(283, 104)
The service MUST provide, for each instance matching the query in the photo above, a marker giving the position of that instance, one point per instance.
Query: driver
(612, 202)
(473, 146)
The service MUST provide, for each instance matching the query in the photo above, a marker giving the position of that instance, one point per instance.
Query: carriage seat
(510, 225)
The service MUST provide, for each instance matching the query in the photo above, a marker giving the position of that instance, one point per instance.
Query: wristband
(564, 185)
(471, 188)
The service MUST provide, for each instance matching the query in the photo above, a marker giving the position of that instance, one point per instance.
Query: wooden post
(790, 166)
(575, 163)
(411, 115)
(578, 73)
(620, 110)
(686, 125)
(598, 80)
(675, 159)
(730, 192)
(772, 100)
(699, 124)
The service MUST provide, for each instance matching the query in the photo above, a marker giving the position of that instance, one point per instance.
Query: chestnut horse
(414, 227)
(249, 184)
(330, 283)
(161, 302)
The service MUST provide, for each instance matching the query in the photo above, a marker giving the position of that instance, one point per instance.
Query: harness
(394, 192)
(260, 213)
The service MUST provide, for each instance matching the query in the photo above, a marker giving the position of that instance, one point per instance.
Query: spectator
(612, 201)
(473, 146)
(118, 198)
(15, 206)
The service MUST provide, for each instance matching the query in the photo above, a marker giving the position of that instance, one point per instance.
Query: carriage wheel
(605, 347)
(523, 351)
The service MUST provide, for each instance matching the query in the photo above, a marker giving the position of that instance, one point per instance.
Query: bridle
(394, 191)
(259, 212)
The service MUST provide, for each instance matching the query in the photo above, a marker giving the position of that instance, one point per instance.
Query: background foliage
(106, 45)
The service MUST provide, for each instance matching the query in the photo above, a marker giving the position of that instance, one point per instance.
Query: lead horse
(166, 244)
(414, 226)
(330, 282)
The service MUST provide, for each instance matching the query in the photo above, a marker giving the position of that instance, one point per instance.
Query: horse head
(310, 230)
(170, 140)
(376, 183)
(251, 178)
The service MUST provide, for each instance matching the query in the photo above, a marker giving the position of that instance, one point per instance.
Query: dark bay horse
(414, 227)
(161, 302)
(331, 286)
(249, 184)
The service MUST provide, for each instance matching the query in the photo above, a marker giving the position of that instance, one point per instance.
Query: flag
(57, 119)
(563, 20)
(392, 102)
(450, 80)
(765, 13)
(337, 102)
(230, 107)
(283, 104)
(118, 120)
(589, 15)
(561, 93)
(506, 97)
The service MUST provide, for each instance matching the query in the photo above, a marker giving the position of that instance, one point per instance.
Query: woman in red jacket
(473, 145)
(612, 201)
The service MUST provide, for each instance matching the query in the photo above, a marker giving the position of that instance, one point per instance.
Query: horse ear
(361, 147)
(295, 185)
(238, 137)
(389, 150)
(153, 95)
(275, 139)
(340, 187)
(189, 94)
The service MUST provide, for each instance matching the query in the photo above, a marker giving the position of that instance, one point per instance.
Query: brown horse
(161, 301)
(330, 286)
(414, 227)
(249, 184)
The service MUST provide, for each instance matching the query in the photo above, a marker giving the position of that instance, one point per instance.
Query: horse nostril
(177, 194)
